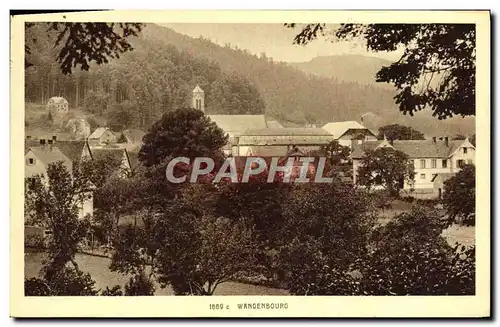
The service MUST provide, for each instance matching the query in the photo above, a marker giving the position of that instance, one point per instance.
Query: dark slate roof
(427, 148)
(51, 154)
(72, 149)
(287, 131)
(100, 153)
(133, 158)
(360, 149)
(413, 148)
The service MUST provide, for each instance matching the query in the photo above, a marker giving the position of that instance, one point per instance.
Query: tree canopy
(436, 70)
(185, 132)
(399, 132)
(79, 44)
(386, 167)
(459, 195)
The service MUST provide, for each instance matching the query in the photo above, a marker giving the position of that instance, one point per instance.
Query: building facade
(434, 161)
(349, 133)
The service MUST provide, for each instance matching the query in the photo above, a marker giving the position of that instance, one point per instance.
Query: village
(435, 159)
(126, 189)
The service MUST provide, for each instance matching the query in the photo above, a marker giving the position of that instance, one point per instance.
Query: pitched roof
(274, 124)
(268, 151)
(51, 154)
(198, 89)
(413, 148)
(100, 153)
(427, 148)
(359, 150)
(98, 132)
(133, 158)
(134, 135)
(237, 124)
(288, 131)
(72, 149)
(337, 129)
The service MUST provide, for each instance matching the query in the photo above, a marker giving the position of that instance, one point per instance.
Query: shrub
(64, 282)
(139, 285)
(115, 291)
(34, 241)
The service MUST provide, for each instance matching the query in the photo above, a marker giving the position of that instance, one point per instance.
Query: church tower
(198, 98)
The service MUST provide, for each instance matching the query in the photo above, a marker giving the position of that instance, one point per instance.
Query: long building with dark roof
(434, 160)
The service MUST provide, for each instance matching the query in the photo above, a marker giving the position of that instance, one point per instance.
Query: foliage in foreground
(408, 256)
(459, 196)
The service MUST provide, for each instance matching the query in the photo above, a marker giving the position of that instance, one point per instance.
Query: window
(445, 163)
(412, 162)
(30, 161)
(433, 163)
(422, 176)
(460, 163)
(465, 150)
(422, 163)
(469, 162)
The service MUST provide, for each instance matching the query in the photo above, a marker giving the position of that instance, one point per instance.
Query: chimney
(434, 139)
(446, 140)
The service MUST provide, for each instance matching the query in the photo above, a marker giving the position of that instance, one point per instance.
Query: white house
(37, 160)
(57, 105)
(434, 161)
(102, 136)
(349, 133)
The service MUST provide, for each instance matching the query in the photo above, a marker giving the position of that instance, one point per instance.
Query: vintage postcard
(250, 164)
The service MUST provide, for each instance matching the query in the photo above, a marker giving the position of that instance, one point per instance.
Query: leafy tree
(80, 44)
(121, 116)
(53, 202)
(99, 170)
(96, 102)
(399, 132)
(473, 139)
(437, 68)
(116, 198)
(325, 227)
(139, 285)
(184, 132)
(63, 282)
(258, 201)
(336, 153)
(410, 257)
(459, 137)
(186, 247)
(459, 196)
(385, 167)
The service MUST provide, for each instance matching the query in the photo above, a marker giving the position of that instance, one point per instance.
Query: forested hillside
(346, 68)
(140, 86)
(165, 66)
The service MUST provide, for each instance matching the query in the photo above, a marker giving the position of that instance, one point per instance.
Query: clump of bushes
(34, 241)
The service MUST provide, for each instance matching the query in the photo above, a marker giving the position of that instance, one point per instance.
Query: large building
(434, 160)
(253, 135)
(39, 156)
(349, 133)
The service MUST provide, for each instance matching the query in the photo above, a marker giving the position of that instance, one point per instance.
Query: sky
(273, 39)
